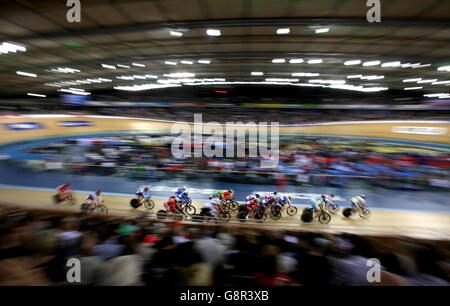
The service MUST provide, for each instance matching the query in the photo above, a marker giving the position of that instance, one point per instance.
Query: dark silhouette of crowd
(118, 251)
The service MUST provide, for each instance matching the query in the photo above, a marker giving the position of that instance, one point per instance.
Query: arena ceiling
(410, 42)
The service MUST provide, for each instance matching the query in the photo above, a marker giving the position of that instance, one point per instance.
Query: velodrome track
(428, 225)
(423, 224)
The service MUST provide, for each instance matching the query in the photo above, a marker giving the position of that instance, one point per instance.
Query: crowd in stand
(35, 247)
(301, 159)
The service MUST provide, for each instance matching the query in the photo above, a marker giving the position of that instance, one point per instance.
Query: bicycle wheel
(225, 215)
(161, 214)
(190, 210)
(149, 204)
(71, 200)
(275, 215)
(102, 209)
(241, 216)
(365, 213)
(55, 199)
(347, 212)
(324, 218)
(233, 205)
(291, 211)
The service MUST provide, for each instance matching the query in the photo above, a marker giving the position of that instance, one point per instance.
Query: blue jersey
(180, 192)
(284, 200)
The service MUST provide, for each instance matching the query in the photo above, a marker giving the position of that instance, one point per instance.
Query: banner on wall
(421, 130)
(20, 126)
(74, 123)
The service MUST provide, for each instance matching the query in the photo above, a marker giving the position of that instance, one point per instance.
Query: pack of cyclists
(223, 199)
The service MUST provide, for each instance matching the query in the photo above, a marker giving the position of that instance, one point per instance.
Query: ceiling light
(315, 61)
(170, 63)
(32, 75)
(257, 73)
(296, 61)
(150, 76)
(371, 63)
(123, 66)
(391, 64)
(372, 77)
(175, 33)
(138, 65)
(36, 95)
(213, 32)
(421, 66)
(426, 81)
(278, 60)
(323, 30)
(439, 95)
(11, 47)
(282, 31)
(180, 75)
(444, 68)
(204, 61)
(354, 76)
(412, 88)
(108, 66)
(141, 77)
(440, 82)
(281, 80)
(187, 62)
(411, 80)
(305, 74)
(104, 80)
(352, 62)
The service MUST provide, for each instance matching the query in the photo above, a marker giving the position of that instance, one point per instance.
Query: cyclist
(328, 199)
(228, 195)
(359, 201)
(143, 193)
(172, 204)
(271, 198)
(63, 191)
(317, 203)
(250, 206)
(94, 199)
(211, 207)
(284, 201)
(217, 194)
(182, 194)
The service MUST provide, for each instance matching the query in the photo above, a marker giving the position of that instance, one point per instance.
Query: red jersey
(64, 188)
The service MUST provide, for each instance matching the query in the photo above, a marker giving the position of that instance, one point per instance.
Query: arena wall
(18, 128)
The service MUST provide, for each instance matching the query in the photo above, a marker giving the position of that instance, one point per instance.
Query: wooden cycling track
(430, 225)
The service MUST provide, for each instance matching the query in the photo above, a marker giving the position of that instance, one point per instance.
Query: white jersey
(93, 198)
(358, 200)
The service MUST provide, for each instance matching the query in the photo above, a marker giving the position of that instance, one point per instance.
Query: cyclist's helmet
(184, 187)
(98, 192)
(331, 195)
(290, 197)
(257, 195)
(275, 193)
(146, 189)
(363, 196)
(230, 190)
